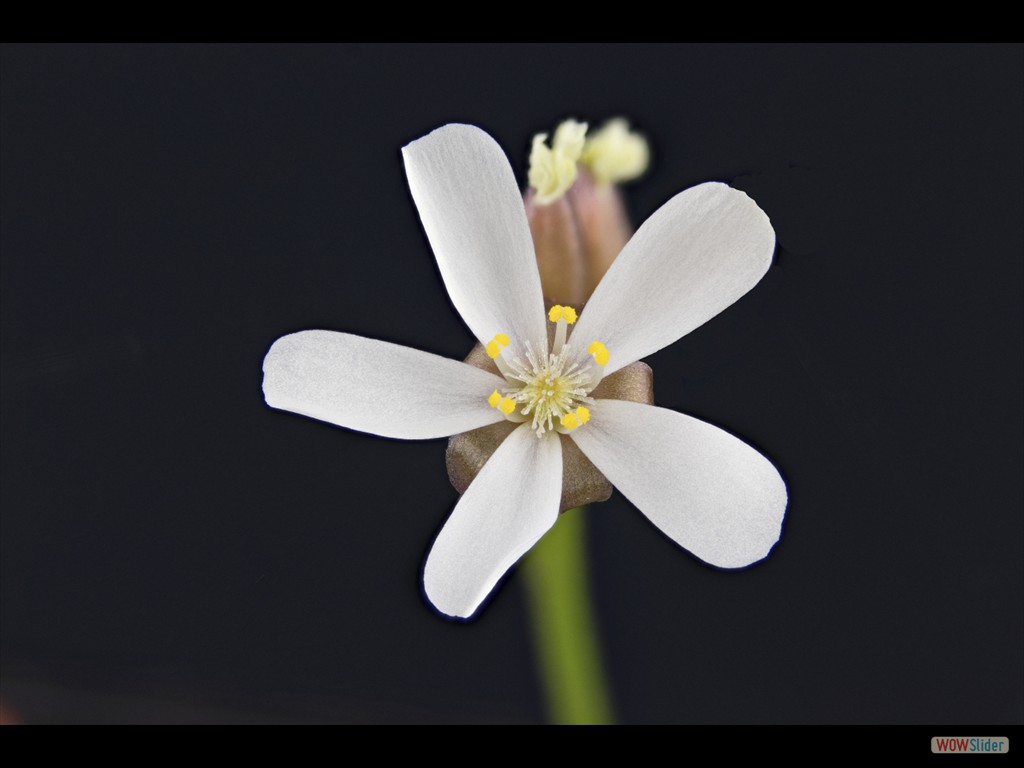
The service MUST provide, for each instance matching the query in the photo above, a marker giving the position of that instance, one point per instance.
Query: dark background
(172, 549)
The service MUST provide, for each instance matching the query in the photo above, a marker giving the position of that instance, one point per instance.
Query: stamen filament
(601, 356)
(503, 366)
(563, 317)
(560, 332)
(495, 349)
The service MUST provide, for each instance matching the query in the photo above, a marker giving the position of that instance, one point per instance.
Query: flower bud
(576, 214)
(560, 259)
(602, 225)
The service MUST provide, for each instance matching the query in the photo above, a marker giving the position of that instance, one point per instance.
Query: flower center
(550, 390)
(551, 387)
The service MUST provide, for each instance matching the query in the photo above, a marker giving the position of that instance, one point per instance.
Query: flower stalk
(579, 225)
(565, 634)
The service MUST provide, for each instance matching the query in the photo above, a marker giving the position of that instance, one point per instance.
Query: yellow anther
(494, 345)
(558, 312)
(494, 399)
(615, 154)
(583, 414)
(507, 405)
(570, 421)
(600, 353)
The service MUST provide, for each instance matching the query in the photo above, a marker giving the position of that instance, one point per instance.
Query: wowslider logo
(979, 745)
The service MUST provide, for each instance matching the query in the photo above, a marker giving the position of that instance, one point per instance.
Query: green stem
(567, 647)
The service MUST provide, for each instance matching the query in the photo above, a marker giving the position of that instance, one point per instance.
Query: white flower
(707, 490)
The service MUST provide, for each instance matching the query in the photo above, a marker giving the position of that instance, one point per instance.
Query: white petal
(695, 256)
(709, 491)
(472, 211)
(507, 508)
(377, 387)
